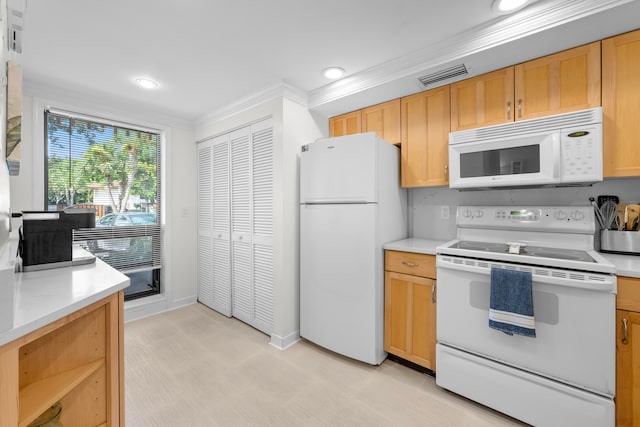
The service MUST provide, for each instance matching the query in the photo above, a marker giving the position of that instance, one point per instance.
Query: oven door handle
(554, 276)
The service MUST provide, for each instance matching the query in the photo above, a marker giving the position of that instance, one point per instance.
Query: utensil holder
(625, 242)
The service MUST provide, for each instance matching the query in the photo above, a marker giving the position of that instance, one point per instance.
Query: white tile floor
(195, 367)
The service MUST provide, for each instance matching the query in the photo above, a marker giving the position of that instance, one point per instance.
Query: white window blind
(115, 169)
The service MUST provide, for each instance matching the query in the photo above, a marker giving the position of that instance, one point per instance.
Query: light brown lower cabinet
(76, 360)
(628, 353)
(410, 307)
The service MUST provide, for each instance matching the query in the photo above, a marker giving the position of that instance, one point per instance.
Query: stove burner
(534, 251)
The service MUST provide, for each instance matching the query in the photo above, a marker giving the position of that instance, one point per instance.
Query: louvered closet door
(241, 229)
(205, 223)
(221, 193)
(214, 254)
(262, 194)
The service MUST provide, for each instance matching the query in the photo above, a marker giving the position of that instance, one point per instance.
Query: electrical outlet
(444, 212)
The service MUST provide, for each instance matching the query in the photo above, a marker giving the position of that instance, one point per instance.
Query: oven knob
(560, 215)
(577, 215)
(477, 213)
(466, 213)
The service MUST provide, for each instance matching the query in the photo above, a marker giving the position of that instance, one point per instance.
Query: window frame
(38, 129)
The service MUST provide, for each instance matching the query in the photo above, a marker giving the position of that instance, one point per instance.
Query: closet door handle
(519, 108)
(625, 331)
(433, 293)
(509, 110)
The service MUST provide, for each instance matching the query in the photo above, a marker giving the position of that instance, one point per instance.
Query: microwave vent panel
(528, 127)
(449, 73)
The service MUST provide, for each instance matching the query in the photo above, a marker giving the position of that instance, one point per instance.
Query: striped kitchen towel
(511, 302)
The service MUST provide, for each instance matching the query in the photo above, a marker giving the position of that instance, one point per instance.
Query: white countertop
(626, 265)
(38, 298)
(421, 246)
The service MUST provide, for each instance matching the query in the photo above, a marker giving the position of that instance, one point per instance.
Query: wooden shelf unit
(76, 360)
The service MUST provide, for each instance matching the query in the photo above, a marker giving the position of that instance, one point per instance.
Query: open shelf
(39, 396)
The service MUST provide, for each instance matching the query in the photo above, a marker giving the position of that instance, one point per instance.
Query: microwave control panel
(581, 151)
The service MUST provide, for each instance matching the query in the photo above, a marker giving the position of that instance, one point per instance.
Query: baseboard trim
(145, 307)
(282, 343)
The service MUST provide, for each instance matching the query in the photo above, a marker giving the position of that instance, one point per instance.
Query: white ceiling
(208, 54)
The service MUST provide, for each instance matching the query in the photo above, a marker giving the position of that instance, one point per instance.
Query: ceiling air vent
(449, 73)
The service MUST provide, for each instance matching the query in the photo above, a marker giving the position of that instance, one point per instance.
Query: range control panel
(579, 219)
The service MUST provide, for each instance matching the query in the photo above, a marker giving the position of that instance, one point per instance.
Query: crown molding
(534, 19)
(277, 91)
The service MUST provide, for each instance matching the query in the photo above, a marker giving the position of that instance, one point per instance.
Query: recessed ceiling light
(146, 83)
(508, 6)
(333, 72)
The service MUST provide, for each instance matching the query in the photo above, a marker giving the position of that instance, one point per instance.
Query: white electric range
(565, 375)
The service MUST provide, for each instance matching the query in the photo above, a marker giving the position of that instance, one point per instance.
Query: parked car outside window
(126, 218)
(137, 247)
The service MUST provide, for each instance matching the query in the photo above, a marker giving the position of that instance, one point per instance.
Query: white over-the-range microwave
(564, 149)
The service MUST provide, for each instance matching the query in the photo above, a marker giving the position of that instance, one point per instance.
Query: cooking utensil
(633, 211)
(597, 212)
(609, 214)
(603, 199)
(622, 216)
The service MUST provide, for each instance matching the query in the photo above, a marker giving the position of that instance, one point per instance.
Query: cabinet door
(384, 120)
(346, 124)
(558, 83)
(425, 138)
(628, 369)
(410, 318)
(483, 100)
(620, 104)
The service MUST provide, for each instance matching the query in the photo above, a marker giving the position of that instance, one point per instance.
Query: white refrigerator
(351, 204)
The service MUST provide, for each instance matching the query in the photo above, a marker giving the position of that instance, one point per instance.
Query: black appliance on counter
(46, 237)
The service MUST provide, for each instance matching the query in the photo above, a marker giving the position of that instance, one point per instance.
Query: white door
(214, 257)
(341, 288)
(221, 223)
(252, 224)
(340, 169)
(205, 223)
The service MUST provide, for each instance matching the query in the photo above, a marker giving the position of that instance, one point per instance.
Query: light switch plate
(444, 212)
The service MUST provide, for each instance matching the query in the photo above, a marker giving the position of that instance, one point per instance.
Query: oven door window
(502, 161)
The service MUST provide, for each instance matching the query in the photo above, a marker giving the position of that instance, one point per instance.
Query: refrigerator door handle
(354, 201)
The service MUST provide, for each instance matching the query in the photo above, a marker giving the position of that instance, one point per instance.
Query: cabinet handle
(446, 171)
(519, 108)
(410, 264)
(433, 293)
(509, 110)
(625, 331)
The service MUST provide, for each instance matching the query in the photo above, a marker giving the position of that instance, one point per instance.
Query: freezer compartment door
(341, 285)
(340, 170)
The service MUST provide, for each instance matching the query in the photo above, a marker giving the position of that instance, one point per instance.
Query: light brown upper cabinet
(425, 137)
(384, 120)
(621, 104)
(559, 83)
(346, 124)
(484, 100)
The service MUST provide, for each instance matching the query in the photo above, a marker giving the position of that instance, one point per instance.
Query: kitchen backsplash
(428, 205)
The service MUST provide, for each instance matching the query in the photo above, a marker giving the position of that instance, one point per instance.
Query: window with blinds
(113, 168)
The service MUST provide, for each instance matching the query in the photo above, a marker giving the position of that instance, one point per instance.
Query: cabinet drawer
(628, 294)
(411, 263)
